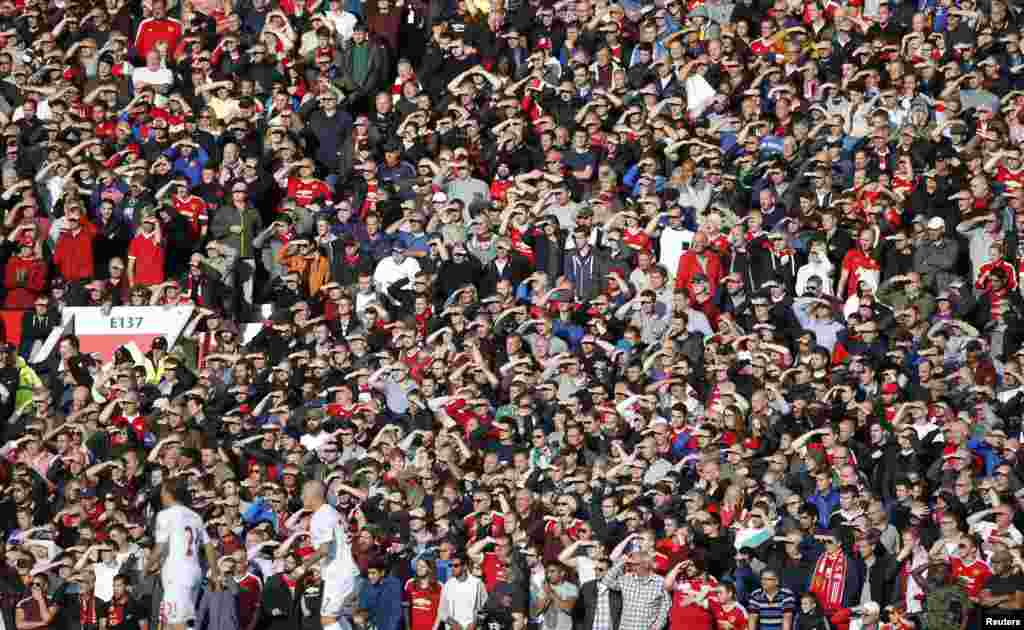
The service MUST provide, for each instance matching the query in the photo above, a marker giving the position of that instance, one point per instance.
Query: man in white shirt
(180, 534)
(394, 268)
(342, 21)
(333, 551)
(105, 570)
(1002, 529)
(154, 74)
(462, 596)
(365, 295)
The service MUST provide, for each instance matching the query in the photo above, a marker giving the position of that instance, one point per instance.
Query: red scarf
(829, 581)
(997, 298)
(87, 610)
(115, 614)
(422, 319)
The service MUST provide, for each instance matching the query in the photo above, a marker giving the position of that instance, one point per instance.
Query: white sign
(103, 331)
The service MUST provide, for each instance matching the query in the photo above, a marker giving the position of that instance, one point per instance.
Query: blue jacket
(191, 168)
(384, 603)
(825, 504)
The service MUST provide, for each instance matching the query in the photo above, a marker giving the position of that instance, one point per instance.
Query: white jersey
(184, 533)
(337, 566)
(327, 528)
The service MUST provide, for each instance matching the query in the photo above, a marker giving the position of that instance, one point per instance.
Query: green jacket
(945, 608)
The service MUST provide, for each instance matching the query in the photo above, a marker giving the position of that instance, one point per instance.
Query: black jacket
(35, 328)
(280, 605)
(883, 575)
(588, 602)
(206, 288)
(516, 270)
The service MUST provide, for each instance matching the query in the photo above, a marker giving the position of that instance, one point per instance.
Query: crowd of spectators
(696, 315)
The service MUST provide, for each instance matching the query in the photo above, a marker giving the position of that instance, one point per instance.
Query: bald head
(313, 493)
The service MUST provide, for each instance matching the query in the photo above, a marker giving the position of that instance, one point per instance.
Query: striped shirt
(770, 610)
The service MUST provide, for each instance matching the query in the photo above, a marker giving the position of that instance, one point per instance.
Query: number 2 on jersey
(190, 536)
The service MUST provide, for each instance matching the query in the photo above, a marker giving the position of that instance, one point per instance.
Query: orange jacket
(314, 270)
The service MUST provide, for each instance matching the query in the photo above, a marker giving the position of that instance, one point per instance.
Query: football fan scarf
(829, 580)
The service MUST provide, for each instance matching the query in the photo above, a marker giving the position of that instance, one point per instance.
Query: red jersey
(721, 245)
(195, 210)
(661, 563)
(1011, 274)
(417, 363)
(637, 239)
(472, 521)
(675, 552)
(903, 184)
(494, 571)
(105, 129)
(307, 192)
(735, 618)
(973, 576)
(136, 423)
(855, 264)
(153, 30)
(250, 591)
(181, 300)
(148, 255)
(764, 46)
(423, 604)
(1004, 175)
(24, 278)
(518, 244)
(339, 410)
(291, 6)
(499, 187)
(692, 616)
(551, 527)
